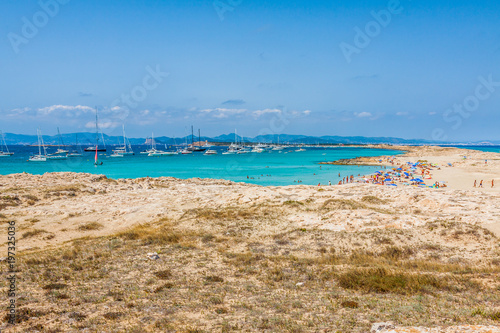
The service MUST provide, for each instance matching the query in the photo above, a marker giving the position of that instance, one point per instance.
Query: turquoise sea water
(267, 168)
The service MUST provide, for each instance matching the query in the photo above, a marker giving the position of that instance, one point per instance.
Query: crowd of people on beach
(406, 174)
(415, 174)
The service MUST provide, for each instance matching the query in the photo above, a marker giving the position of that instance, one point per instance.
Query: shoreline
(453, 169)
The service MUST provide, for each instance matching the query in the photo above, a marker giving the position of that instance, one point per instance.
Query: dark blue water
(492, 149)
(267, 168)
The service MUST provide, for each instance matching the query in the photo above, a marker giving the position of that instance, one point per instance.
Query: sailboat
(96, 147)
(192, 147)
(78, 151)
(60, 150)
(233, 147)
(40, 157)
(127, 147)
(147, 151)
(278, 147)
(156, 152)
(6, 152)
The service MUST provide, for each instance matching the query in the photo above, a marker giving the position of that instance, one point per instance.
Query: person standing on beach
(481, 183)
(492, 183)
(475, 183)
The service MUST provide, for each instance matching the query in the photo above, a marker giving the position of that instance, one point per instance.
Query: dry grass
(90, 226)
(373, 200)
(34, 233)
(337, 204)
(380, 280)
(152, 235)
(217, 271)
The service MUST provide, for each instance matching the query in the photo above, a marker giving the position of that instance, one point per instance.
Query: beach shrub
(55, 286)
(164, 274)
(151, 235)
(90, 226)
(113, 315)
(381, 280)
(33, 233)
(373, 200)
(293, 203)
(213, 278)
(350, 304)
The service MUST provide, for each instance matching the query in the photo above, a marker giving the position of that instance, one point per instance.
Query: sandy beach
(258, 242)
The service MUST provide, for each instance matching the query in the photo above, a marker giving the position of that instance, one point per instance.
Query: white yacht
(40, 157)
(6, 152)
(126, 149)
(210, 152)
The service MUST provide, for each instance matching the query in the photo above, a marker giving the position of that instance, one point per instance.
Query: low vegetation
(90, 226)
(219, 279)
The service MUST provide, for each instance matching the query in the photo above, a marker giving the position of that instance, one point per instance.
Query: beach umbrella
(419, 180)
(388, 180)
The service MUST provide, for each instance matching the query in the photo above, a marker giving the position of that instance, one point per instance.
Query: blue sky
(430, 71)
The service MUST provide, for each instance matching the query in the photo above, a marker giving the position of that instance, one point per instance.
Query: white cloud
(432, 113)
(222, 110)
(363, 114)
(103, 124)
(258, 113)
(400, 114)
(107, 124)
(220, 113)
(220, 116)
(67, 108)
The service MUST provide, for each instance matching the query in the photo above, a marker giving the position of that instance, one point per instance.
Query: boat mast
(61, 142)
(124, 141)
(4, 143)
(192, 136)
(39, 144)
(43, 145)
(199, 137)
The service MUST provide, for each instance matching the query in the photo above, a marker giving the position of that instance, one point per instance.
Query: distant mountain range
(87, 138)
